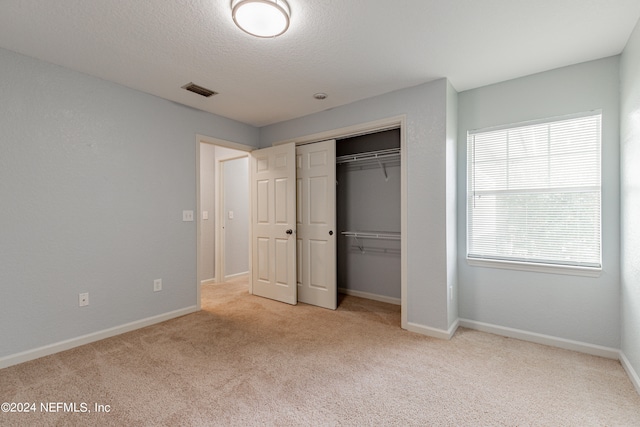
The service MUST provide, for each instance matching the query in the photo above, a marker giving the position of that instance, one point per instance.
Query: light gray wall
(236, 199)
(93, 180)
(208, 204)
(576, 308)
(630, 155)
(425, 108)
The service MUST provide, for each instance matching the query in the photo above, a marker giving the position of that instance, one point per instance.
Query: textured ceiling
(349, 49)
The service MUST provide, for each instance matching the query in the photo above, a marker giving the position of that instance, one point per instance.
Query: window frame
(534, 266)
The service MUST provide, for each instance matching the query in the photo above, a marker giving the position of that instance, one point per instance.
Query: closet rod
(370, 155)
(388, 251)
(372, 235)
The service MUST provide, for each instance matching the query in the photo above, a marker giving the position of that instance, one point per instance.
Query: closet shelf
(384, 235)
(370, 155)
(375, 157)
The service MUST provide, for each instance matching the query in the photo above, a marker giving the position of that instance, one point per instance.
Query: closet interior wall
(368, 214)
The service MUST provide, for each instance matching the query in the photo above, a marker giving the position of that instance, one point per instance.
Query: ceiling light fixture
(261, 18)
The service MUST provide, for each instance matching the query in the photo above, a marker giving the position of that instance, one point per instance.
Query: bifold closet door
(316, 223)
(273, 220)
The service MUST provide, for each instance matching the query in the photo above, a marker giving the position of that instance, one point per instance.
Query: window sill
(538, 268)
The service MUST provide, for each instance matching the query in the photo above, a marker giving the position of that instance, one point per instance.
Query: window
(533, 193)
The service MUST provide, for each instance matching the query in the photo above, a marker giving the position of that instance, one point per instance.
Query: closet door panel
(316, 175)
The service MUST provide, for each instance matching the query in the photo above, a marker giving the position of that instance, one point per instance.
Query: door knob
(289, 231)
(330, 232)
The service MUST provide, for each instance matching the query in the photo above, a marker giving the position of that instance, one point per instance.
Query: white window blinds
(534, 193)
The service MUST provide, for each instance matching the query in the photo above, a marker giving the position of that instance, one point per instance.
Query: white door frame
(397, 122)
(220, 143)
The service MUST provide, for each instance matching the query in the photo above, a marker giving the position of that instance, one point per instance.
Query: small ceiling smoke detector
(203, 91)
(261, 18)
(320, 95)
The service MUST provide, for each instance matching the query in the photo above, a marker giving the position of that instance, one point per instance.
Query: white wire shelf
(368, 156)
(383, 235)
(379, 235)
(371, 158)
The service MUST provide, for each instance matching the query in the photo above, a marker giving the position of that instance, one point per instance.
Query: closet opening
(368, 213)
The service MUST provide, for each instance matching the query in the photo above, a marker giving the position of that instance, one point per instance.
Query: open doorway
(223, 211)
(232, 216)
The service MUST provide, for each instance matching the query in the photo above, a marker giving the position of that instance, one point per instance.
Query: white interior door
(316, 218)
(273, 208)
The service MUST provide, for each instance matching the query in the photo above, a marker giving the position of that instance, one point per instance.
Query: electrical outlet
(83, 299)
(157, 285)
(205, 214)
(187, 215)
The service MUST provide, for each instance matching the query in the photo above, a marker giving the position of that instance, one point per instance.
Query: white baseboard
(433, 332)
(47, 350)
(633, 375)
(208, 281)
(367, 295)
(596, 350)
(231, 276)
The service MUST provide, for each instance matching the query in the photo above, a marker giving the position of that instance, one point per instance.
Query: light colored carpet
(245, 360)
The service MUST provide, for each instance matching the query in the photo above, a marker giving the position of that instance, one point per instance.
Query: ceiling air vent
(203, 91)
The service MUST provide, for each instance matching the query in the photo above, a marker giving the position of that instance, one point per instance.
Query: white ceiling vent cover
(203, 91)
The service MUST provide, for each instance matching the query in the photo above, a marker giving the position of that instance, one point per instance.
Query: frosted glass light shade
(261, 18)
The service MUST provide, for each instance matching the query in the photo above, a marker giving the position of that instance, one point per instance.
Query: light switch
(205, 214)
(230, 214)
